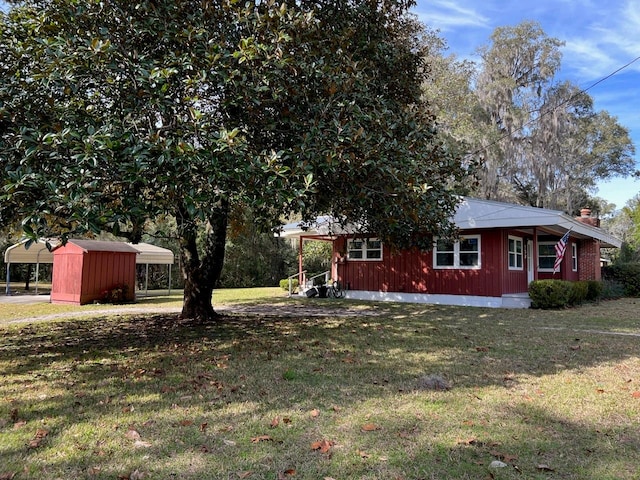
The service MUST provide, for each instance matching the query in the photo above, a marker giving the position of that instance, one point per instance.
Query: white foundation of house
(512, 300)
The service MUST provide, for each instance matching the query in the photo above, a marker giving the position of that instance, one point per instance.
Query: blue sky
(600, 37)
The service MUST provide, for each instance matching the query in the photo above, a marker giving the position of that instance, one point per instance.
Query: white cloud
(606, 42)
(446, 15)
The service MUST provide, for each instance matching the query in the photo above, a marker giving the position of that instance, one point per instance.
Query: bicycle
(335, 290)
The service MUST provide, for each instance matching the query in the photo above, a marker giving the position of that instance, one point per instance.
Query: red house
(84, 269)
(502, 248)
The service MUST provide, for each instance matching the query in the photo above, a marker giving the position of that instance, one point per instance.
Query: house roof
(38, 252)
(473, 213)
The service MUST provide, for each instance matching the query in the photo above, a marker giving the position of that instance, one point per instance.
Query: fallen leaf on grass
(243, 475)
(482, 349)
(41, 434)
(19, 424)
(132, 434)
(275, 422)
(322, 445)
(261, 438)
(370, 427)
(544, 467)
(468, 441)
(203, 427)
(286, 474)
(362, 454)
(314, 413)
(135, 475)
(635, 394)
(141, 444)
(186, 423)
(7, 475)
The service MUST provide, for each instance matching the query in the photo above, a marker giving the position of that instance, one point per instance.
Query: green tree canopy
(112, 113)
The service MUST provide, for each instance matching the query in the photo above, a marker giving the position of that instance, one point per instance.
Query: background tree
(114, 113)
(254, 258)
(540, 141)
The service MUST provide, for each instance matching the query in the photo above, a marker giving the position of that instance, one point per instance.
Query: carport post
(8, 290)
(146, 281)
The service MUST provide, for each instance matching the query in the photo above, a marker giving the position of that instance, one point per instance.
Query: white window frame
(574, 257)
(514, 253)
(367, 250)
(456, 255)
(553, 249)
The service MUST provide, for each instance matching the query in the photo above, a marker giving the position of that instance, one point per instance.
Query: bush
(547, 294)
(612, 289)
(594, 290)
(579, 292)
(284, 284)
(627, 274)
(117, 294)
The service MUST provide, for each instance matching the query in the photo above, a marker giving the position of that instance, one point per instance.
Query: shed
(84, 269)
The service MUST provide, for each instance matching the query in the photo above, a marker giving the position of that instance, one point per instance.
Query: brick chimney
(585, 217)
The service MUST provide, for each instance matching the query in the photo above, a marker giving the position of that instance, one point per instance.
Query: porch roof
(473, 213)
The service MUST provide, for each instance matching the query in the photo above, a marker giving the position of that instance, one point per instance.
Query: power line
(544, 112)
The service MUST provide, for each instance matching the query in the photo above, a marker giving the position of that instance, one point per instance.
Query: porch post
(300, 274)
(535, 253)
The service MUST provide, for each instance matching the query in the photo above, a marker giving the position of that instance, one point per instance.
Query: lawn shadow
(275, 363)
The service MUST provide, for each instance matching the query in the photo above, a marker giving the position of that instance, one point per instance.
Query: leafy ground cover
(364, 391)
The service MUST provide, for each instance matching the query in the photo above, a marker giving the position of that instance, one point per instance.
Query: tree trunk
(202, 271)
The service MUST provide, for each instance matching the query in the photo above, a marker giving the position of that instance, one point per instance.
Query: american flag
(561, 247)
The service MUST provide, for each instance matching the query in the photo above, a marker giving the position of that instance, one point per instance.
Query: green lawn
(553, 395)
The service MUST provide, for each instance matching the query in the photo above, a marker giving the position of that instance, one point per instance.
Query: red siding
(411, 271)
(80, 277)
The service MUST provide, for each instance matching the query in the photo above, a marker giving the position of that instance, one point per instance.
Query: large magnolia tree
(112, 113)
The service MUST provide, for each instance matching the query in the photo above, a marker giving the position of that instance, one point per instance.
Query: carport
(36, 253)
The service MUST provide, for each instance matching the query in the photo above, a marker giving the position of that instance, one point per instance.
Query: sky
(600, 37)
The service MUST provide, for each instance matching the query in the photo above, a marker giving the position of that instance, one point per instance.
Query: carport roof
(38, 252)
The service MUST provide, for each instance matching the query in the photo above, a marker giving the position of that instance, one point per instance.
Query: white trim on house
(457, 253)
(506, 301)
(369, 251)
(516, 254)
(551, 255)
